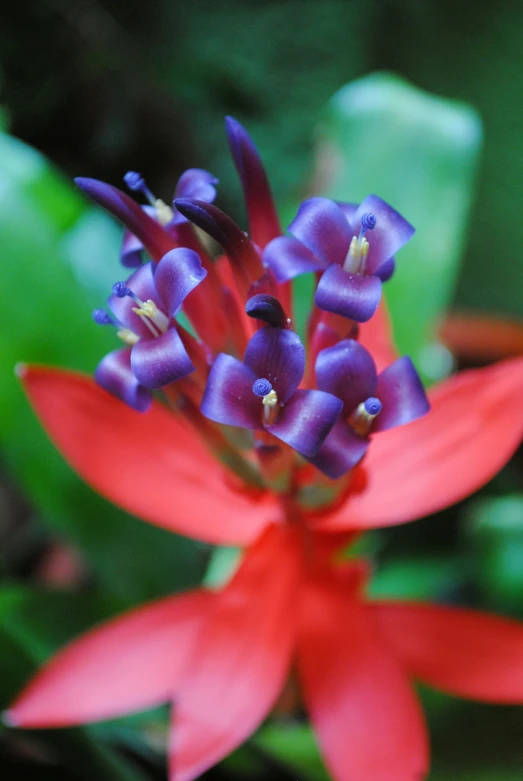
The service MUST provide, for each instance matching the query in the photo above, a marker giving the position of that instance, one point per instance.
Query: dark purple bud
(372, 406)
(261, 387)
(101, 317)
(120, 290)
(134, 181)
(368, 221)
(267, 308)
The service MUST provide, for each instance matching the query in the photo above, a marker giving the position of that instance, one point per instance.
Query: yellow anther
(164, 213)
(271, 399)
(127, 336)
(357, 255)
(147, 309)
(270, 407)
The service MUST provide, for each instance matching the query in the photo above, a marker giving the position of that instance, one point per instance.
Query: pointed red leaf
(462, 652)
(243, 658)
(367, 719)
(151, 464)
(473, 428)
(128, 664)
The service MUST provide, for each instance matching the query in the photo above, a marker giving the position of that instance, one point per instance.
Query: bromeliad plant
(310, 448)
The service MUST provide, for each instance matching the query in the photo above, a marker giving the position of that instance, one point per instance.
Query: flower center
(359, 246)
(361, 419)
(101, 317)
(156, 321)
(263, 388)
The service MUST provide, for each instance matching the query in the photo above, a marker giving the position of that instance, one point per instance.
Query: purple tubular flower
(274, 361)
(267, 308)
(354, 246)
(114, 374)
(371, 402)
(159, 361)
(149, 232)
(261, 211)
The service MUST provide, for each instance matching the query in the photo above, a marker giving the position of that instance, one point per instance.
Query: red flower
(222, 658)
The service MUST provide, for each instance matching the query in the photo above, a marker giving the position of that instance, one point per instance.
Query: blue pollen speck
(121, 290)
(372, 406)
(261, 387)
(101, 317)
(134, 180)
(368, 221)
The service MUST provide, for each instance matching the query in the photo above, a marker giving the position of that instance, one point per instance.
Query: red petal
(128, 664)
(151, 464)
(462, 652)
(376, 336)
(367, 719)
(243, 660)
(473, 428)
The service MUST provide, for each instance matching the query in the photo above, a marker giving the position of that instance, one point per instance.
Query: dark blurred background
(103, 87)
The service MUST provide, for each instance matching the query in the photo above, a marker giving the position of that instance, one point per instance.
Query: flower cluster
(304, 482)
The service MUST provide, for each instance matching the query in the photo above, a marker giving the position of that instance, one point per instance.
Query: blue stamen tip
(373, 406)
(121, 290)
(101, 317)
(261, 387)
(368, 221)
(134, 181)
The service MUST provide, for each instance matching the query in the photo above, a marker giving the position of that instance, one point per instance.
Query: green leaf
(418, 152)
(59, 258)
(295, 746)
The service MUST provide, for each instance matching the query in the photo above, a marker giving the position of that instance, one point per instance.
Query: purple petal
(263, 219)
(178, 272)
(322, 226)
(288, 258)
(194, 183)
(277, 355)
(131, 250)
(228, 396)
(114, 374)
(142, 285)
(402, 395)
(392, 231)
(306, 419)
(351, 295)
(160, 361)
(349, 210)
(340, 452)
(266, 308)
(243, 256)
(386, 270)
(156, 241)
(348, 371)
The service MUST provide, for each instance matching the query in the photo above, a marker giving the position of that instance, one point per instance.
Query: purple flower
(262, 392)
(371, 402)
(353, 245)
(143, 309)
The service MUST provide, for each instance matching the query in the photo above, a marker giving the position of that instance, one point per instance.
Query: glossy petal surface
(474, 426)
(348, 371)
(392, 231)
(170, 480)
(463, 652)
(401, 392)
(158, 362)
(341, 451)
(350, 295)
(306, 419)
(178, 272)
(288, 258)
(368, 722)
(229, 397)
(321, 225)
(279, 356)
(115, 375)
(242, 659)
(128, 664)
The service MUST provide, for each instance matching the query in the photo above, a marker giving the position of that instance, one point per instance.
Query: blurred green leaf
(59, 257)
(419, 577)
(419, 152)
(295, 746)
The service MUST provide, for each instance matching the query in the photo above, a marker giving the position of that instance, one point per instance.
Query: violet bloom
(371, 402)
(193, 183)
(262, 392)
(143, 308)
(353, 245)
